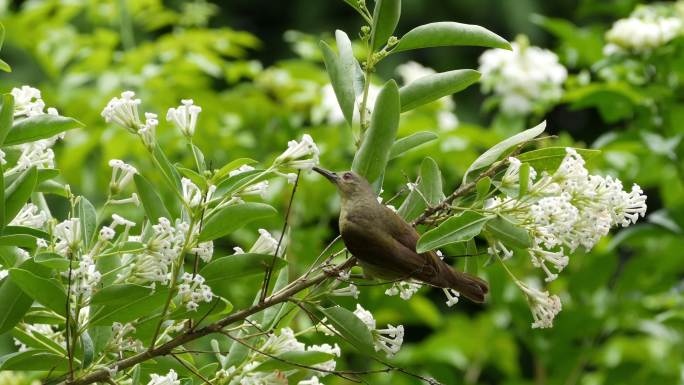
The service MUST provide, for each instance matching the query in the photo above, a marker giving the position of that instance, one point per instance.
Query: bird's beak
(331, 176)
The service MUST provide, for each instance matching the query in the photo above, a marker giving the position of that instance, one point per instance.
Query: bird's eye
(347, 176)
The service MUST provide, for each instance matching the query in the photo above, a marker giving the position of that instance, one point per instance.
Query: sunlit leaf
(449, 33)
(432, 87)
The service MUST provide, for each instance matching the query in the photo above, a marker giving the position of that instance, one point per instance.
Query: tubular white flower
(171, 378)
(84, 278)
(557, 259)
(452, 296)
(544, 307)
(311, 381)
(34, 154)
(107, 233)
(257, 189)
(184, 117)
(122, 174)
(30, 216)
(282, 343)
(405, 289)
(68, 234)
(301, 155)
(242, 169)
(148, 132)
(267, 244)
(119, 220)
(192, 291)
(192, 195)
(327, 365)
(645, 30)
(204, 250)
(348, 291)
(28, 102)
(389, 339)
(123, 111)
(121, 341)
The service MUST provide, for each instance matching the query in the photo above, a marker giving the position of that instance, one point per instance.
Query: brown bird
(385, 244)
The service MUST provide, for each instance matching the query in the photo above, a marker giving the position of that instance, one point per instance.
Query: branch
(284, 295)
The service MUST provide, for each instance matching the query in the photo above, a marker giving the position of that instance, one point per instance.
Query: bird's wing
(407, 235)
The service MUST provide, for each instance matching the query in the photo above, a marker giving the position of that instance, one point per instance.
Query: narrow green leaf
(168, 171)
(482, 188)
(34, 360)
(291, 360)
(13, 230)
(45, 291)
(18, 240)
(371, 159)
(39, 127)
(37, 341)
(4, 66)
(431, 182)
(492, 155)
(125, 303)
(524, 179)
(351, 328)
(432, 87)
(341, 70)
(471, 260)
(410, 142)
(193, 176)
(18, 193)
(15, 303)
(223, 270)
(549, 158)
(226, 169)
(54, 261)
(449, 33)
(199, 158)
(150, 199)
(385, 19)
(87, 215)
(455, 229)
(88, 349)
(510, 234)
(6, 116)
(236, 183)
(231, 218)
(2, 199)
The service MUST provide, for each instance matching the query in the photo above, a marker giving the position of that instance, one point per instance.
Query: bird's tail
(468, 285)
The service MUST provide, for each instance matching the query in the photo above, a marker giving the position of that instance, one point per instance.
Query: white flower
(192, 291)
(256, 189)
(148, 132)
(267, 244)
(282, 343)
(192, 195)
(389, 339)
(28, 102)
(645, 30)
(311, 381)
(405, 289)
(34, 154)
(84, 278)
(348, 291)
(184, 116)
(3, 273)
(525, 79)
(204, 250)
(68, 234)
(169, 379)
(242, 169)
(544, 307)
(452, 296)
(121, 341)
(107, 233)
(557, 259)
(300, 155)
(330, 365)
(123, 111)
(122, 174)
(119, 220)
(30, 216)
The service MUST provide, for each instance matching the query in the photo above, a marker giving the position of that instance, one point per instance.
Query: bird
(385, 245)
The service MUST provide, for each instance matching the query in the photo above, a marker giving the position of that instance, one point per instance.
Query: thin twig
(195, 372)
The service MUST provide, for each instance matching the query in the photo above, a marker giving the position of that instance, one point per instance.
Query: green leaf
(371, 159)
(150, 199)
(291, 360)
(223, 270)
(169, 172)
(448, 33)
(342, 70)
(6, 116)
(231, 218)
(226, 169)
(15, 303)
(199, 158)
(18, 240)
(432, 87)
(548, 159)
(34, 360)
(507, 232)
(125, 303)
(4, 66)
(454, 229)
(88, 349)
(12, 230)
(471, 260)
(38, 341)
(385, 19)
(235, 183)
(39, 127)
(87, 215)
(431, 182)
(54, 261)
(482, 188)
(410, 142)
(45, 291)
(193, 176)
(492, 155)
(18, 193)
(351, 328)
(524, 179)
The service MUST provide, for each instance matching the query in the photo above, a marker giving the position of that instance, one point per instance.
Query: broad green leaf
(150, 199)
(432, 87)
(125, 303)
(231, 218)
(342, 69)
(548, 159)
(226, 169)
(371, 159)
(88, 349)
(471, 259)
(448, 33)
(193, 176)
(290, 360)
(455, 229)
(54, 261)
(493, 154)
(38, 341)
(39, 127)
(482, 188)
(431, 182)
(15, 303)
(524, 179)
(227, 269)
(6, 116)
(13, 230)
(350, 328)
(510, 234)
(2, 198)
(34, 360)
(18, 193)
(87, 215)
(45, 291)
(410, 142)
(385, 19)
(18, 240)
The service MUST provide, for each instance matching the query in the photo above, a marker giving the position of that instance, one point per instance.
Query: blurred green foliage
(623, 314)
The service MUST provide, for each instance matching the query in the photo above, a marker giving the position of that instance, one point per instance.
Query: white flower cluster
(30, 216)
(526, 79)
(389, 339)
(193, 196)
(121, 341)
(192, 291)
(405, 289)
(265, 244)
(28, 102)
(171, 378)
(302, 155)
(184, 117)
(562, 211)
(122, 175)
(645, 29)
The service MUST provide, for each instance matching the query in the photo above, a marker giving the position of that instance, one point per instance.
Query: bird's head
(349, 184)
